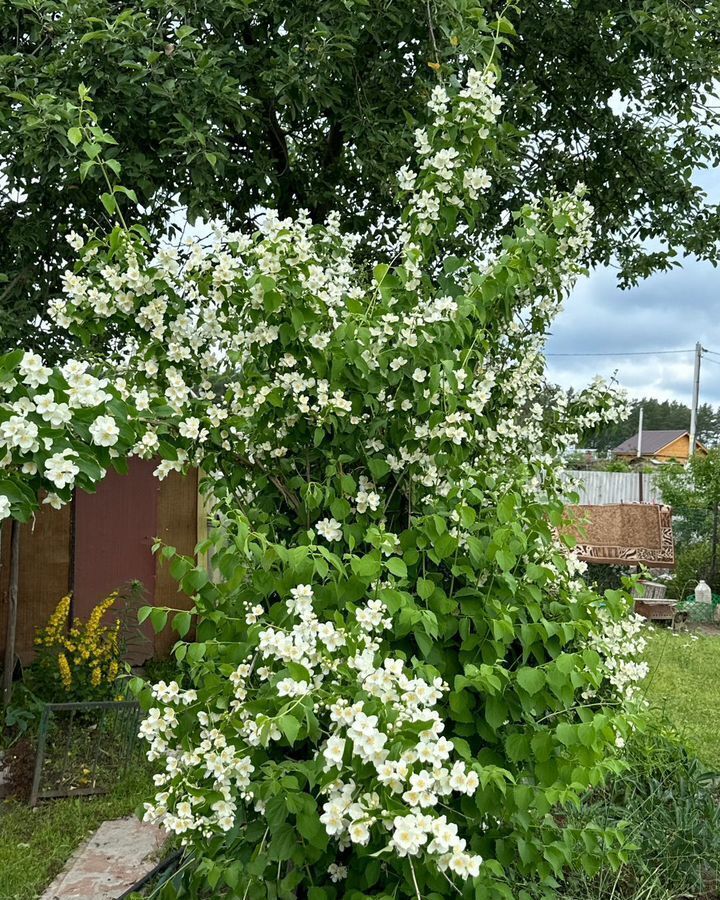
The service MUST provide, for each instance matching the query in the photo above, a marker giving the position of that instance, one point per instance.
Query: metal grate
(83, 747)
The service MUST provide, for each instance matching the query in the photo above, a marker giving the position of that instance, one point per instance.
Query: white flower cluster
(444, 176)
(620, 643)
(212, 765)
(421, 775)
(333, 665)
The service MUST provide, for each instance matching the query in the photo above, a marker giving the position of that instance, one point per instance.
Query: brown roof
(652, 441)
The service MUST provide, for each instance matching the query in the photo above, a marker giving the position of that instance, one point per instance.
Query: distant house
(658, 447)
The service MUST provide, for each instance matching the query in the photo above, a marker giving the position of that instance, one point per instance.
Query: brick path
(116, 856)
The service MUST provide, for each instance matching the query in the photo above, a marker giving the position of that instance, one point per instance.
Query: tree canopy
(658, 415)
(224, 107)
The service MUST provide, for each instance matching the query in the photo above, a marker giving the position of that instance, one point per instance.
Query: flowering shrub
(399, 676)
(79, 661)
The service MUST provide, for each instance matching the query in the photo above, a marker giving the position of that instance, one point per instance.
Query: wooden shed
(99, 543)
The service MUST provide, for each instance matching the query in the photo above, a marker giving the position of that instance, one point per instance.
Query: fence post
(713, 562)
(12, 611)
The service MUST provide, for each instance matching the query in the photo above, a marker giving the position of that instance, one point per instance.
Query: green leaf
(396, 566)
(94, 36)
(284, 841)
(109, 202)
(181, 623)
(312, 829)
(530, 679)
(75, 136)
(379, 272)
(195, 580)
(368, 566)
(290, 727)
(506, 560)
(196, 652)
(425, 588)
(85, 167)
(158, 619)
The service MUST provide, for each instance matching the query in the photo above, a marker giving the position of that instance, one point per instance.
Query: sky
(668, 311)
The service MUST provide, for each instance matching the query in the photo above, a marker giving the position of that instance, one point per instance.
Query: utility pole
(695, 398)
(639, 454)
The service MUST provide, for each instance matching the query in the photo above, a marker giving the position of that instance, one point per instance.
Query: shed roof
(652, 441)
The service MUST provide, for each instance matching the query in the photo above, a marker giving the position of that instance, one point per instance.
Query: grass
(35, 844)
(684, 684)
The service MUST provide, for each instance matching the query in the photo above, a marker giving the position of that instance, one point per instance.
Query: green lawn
(34, 844)
(684, 683)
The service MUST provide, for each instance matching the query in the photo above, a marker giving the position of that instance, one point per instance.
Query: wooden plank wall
(46, 558)
(44, 577)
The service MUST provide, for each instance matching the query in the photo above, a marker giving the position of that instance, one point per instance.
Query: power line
(625, 353)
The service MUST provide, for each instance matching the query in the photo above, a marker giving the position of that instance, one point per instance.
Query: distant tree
(657, 415)
(694, 493)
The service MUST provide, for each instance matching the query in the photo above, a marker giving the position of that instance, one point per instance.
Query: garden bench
(664, 609)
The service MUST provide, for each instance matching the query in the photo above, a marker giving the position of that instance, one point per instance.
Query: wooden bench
(661, 610)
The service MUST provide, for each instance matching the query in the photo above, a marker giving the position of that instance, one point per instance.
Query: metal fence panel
(599, 488)
(83, 747)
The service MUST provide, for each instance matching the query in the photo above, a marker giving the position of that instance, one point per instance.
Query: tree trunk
(11, 626)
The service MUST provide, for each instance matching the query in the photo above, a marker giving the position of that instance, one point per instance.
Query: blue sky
(668, 311)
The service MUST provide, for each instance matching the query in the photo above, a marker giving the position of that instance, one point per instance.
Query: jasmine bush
(400, 681)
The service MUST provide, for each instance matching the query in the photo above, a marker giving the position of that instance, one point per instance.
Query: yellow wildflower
(65, 673)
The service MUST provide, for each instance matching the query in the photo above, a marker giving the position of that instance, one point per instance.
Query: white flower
(337, 873)
(75, 240)
(190, 428)
(288, 687)
(334, 750)
(104, 431)
(4, 507)
(359, 833)
(19, 432)
(330, 529)
(61, 470)
(419, 375)
(33, 371)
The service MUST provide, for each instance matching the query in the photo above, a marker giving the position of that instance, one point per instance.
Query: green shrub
(691, 564)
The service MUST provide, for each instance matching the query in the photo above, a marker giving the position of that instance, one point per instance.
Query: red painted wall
(113, 537)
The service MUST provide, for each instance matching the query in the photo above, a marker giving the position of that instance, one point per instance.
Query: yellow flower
(65, 673)
(57, 624)
(86, 653)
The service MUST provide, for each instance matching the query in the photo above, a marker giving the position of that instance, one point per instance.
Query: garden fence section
(598, 488)
(83, 748)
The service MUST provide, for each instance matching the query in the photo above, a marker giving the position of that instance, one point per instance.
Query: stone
(118, 855)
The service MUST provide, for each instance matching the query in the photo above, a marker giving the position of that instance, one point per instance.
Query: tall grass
(669, 803)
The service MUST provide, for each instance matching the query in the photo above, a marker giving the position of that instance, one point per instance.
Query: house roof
(652, 441)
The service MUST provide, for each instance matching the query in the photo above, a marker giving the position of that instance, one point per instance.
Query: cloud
(668, 311)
